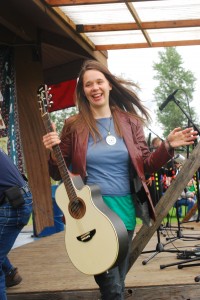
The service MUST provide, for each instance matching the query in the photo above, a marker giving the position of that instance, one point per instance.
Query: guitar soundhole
(77, 208)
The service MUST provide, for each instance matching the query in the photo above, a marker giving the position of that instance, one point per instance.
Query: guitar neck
(60, 162)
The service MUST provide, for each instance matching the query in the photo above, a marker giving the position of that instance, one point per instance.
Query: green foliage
(171, 75)
(58, 117)
(3, 144)
(171, 219)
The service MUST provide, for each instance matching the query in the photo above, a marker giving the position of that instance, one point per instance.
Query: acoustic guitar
(95, 237)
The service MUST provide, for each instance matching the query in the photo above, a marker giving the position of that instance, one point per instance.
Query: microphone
(169, 98)
(179, 159)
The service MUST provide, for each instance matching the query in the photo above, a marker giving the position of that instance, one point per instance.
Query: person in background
(187, 198)
(191, 187)
(105, 144)
(15, 211)
(12, 276)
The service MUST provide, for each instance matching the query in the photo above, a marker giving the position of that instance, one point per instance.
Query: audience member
(15, 211)
(187, 198)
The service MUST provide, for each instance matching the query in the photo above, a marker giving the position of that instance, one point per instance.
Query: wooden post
(28, 78)
(165, 203)
(190, 213)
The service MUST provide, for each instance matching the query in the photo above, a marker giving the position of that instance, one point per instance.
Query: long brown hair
(122, 97)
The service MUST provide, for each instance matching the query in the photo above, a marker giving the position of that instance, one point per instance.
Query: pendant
(111, 140)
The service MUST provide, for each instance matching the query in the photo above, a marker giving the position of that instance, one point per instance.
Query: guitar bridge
(86, 236)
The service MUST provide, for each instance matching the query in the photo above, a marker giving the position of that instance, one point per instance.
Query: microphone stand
(181, 264)
(198, 130)
(156, 193)
(187, 116)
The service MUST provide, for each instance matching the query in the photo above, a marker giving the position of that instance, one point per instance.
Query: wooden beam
(63, 73)
(106, 27)
(68, 28)
(67, 47)
(134, 26)
(138, 22)
(85, 2)
(190, 213)
(82, 39)
(166, 202)
(13, 28)
(145, 45)
(70, 23)
(62, 42)
(170, 24)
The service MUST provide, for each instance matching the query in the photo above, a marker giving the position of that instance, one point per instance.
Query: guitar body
(96, 239)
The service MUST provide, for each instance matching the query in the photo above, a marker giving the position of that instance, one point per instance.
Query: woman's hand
(51, 139)
(178, 137)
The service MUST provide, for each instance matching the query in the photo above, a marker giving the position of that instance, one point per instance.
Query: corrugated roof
(113, 24)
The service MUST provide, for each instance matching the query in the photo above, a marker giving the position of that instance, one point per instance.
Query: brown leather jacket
(74, 148)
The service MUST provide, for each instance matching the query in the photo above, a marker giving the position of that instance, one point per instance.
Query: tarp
(62, 95)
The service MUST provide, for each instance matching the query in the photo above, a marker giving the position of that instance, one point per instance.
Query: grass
(30, 222)
(172, 217)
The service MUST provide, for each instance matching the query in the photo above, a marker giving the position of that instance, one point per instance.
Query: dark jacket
(74, 148)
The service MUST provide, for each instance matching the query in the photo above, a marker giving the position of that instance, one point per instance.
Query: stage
(49, 274)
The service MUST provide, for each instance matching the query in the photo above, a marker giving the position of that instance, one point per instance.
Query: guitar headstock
(44, 98)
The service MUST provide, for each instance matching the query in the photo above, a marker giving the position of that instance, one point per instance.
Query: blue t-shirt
(9, 174)
(108, 167)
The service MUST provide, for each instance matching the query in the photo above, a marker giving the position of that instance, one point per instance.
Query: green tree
(171, 75)
(58, 117)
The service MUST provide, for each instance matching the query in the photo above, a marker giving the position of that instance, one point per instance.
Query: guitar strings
(75, 207)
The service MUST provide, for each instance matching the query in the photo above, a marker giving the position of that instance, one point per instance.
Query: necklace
(110, 139)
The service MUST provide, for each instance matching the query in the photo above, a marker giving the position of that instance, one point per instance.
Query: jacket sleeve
(152, 161)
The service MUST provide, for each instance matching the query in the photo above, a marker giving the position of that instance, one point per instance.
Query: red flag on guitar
(62, 95)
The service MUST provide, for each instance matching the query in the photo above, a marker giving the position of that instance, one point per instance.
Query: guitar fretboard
(61, 162)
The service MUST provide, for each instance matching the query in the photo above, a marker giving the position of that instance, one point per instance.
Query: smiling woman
(97, 88)
(105, 144)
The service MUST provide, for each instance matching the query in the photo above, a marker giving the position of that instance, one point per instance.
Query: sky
(137, 65)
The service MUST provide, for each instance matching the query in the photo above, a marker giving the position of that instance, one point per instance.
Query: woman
(105, 144)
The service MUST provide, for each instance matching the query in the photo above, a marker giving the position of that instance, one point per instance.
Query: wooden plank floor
(49, 274)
